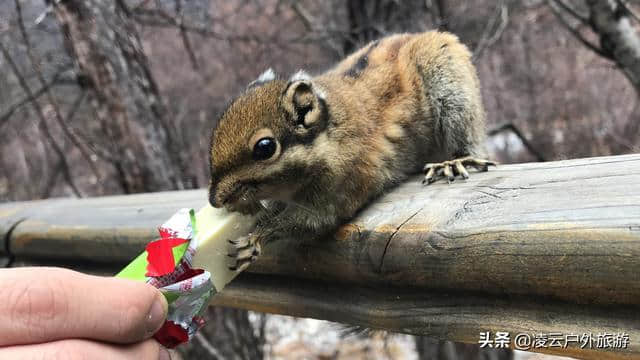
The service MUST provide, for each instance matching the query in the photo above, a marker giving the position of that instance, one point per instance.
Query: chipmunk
(308, 152)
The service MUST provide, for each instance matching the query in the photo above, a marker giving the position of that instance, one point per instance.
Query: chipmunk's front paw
(452, 168)
(247, 250)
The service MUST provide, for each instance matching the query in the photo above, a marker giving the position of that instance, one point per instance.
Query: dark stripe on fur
(362, 62)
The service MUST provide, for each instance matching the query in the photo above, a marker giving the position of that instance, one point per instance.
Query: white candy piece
(215, 228)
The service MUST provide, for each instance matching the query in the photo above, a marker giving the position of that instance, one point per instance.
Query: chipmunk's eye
(264, 148)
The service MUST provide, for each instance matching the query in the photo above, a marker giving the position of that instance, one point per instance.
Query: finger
(73, 349)
(46, 304)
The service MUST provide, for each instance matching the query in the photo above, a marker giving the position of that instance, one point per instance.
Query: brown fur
(372, 120)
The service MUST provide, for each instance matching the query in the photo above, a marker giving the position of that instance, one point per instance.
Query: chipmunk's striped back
(320, 148)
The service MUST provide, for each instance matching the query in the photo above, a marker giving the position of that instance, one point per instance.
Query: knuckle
(34, 304)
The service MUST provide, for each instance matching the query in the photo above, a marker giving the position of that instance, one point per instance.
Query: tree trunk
(111, 66)
(429, 348)
(228, 334)
(611, 20)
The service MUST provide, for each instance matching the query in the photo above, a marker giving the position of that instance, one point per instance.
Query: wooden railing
(539, 248)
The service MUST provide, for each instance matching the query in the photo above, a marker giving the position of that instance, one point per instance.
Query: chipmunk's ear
(305, 103)
(265, 77)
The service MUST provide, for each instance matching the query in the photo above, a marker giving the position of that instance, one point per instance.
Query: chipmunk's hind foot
(247, 250)
(451, 168)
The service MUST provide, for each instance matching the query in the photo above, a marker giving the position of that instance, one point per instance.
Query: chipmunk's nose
(212, 200)
(212, 195)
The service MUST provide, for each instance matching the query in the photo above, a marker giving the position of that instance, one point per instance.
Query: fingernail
(157, 315)
(164, 354)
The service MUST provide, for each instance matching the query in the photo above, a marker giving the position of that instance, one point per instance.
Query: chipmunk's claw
(247, 250)
(452, 168)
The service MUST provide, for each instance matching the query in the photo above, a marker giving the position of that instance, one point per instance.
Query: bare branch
(514, 129)
(64, 166)
(75, 106)
(146, 154)
(140, 4)
(51, 181)
(618, 36)
(627, 8)
(35, 64)
(583, 18)
(442, 14)
(160, 18)
(308, 21)
(488, 40)
(4, 118)
(576, 32)
(185, 36)
(208, 346)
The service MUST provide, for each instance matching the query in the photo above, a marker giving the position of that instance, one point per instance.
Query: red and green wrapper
(168, 264)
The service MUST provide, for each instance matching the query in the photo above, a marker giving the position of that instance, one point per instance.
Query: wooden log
(567, 229)
(565, 232)
(110, 229)
(457, 316)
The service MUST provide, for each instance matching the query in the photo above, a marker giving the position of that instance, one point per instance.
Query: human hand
(55, 313)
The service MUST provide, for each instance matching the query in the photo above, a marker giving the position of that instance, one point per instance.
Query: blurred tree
(111, 70)
(102, 40)
(446, 350)
(229, 334)
(103, 97)
(614, 23)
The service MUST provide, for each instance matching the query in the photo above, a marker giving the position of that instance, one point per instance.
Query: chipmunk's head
(258, 149)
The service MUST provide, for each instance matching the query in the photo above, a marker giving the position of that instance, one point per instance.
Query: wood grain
(458, 316)
(567, 229)
(104, 230)
(564, 232)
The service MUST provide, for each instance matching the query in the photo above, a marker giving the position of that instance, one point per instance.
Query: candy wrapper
(189, 264)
